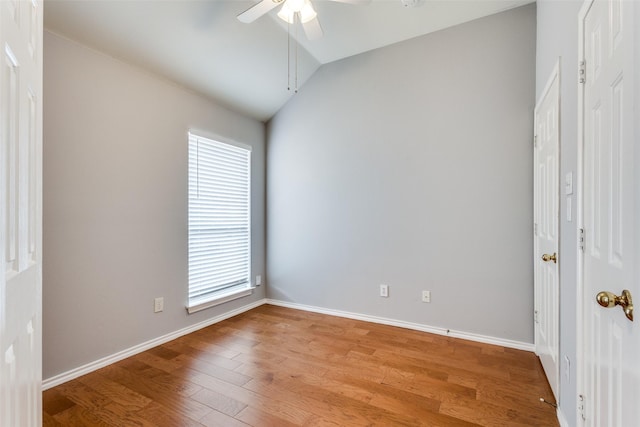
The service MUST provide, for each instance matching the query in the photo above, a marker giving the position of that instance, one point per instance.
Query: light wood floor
(274, 366)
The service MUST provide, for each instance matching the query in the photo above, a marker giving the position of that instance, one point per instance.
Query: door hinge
(535, 141)
(582, 404)
(535, 228)
(535, 316)
(582, 71)
(581, 239)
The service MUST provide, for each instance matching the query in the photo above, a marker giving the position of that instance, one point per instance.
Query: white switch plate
(258, 280)
(569, 216)
(384, 291)
(158, 305)
(426, 296)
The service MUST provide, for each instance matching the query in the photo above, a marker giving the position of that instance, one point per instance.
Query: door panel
(20, 212)
(611, 341)
(546, 229)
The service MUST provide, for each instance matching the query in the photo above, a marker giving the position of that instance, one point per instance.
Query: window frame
(216, 297)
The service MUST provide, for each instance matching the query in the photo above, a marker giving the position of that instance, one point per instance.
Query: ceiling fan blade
(312, 29)
(358, 2)
(256, 11)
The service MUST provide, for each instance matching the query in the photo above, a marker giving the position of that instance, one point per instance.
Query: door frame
(555, 75)
(580, 330)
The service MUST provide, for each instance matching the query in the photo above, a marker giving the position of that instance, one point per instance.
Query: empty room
(319, 212)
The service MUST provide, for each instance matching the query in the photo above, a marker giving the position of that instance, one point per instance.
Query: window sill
(204, 303)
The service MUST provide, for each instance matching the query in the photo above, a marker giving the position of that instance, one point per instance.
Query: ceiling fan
(292, 11)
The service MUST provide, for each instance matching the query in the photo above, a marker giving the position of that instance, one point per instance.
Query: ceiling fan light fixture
(296, 5)
(286, 14)
(307, 13)
(291, 7)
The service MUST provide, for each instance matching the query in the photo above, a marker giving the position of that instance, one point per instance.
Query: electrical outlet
(384, 291)
(426, 296)
(158, 305)
(258, 280)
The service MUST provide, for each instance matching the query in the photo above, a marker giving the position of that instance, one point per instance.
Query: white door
(611, 342)
(546, 167)
(20, 212)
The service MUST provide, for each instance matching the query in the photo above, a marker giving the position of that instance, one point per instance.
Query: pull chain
(296, 20)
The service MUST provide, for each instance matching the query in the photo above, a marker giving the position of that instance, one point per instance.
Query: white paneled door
(610, 216)
(20, 212)
(546, 196)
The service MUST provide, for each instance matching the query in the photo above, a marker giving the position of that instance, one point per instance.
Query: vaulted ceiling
(203, 47)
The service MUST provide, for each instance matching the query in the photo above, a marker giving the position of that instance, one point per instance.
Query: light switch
(568, 183)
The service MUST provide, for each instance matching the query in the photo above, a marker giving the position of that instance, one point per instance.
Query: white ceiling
(202, 46)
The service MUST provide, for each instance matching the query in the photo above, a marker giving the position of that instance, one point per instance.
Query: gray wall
(411, 166)
(115, 203)
(558, 37)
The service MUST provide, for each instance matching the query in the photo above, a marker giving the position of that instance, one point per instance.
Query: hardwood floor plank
(373, 415)
(415, 407)
(511, 393)
(49, 421)
(275, 366)
(173, 401)
(361, 393)
(314, 402)
(257, 356)
(102, 405)
(81, 417)
(158, 362)
(401, 368)
(116, 392)
(288, 411)
(256, 417)
(430, 388)
(205, 344)
(163, 352)
(464, 378)
(82, 395)
(160, 379)
(161, 416)
(492, 415)
(218, 419)
(205, 367)
(411, 357)
(291, 365)
(199, 350)
(117, 415)
(55, 401)
(219, 402)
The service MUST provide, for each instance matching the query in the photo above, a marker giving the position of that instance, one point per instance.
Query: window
(219, 222)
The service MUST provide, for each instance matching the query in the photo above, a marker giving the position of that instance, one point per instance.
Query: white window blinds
(219, 221)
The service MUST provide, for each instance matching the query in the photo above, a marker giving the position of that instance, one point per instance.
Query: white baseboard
(409, 325)
(105, 361)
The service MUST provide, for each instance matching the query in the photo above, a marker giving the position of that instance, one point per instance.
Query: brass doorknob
(609, 299)
(547, 258)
